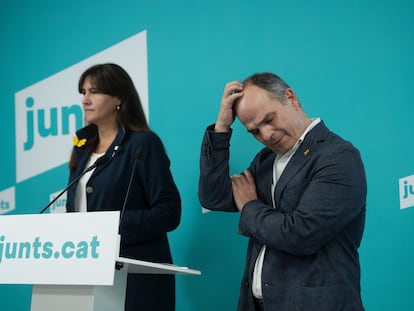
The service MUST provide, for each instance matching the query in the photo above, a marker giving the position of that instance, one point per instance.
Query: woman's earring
(118, 107)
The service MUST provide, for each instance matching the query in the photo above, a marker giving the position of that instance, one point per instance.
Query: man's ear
(291, 97)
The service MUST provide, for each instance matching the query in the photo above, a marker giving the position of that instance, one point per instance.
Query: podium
(72, 260)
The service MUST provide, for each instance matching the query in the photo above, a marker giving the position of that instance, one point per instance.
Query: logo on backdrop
(7, 202)
(48, 113)
(406, 192)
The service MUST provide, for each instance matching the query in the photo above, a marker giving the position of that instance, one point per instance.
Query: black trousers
(150, 292)
(258, 303)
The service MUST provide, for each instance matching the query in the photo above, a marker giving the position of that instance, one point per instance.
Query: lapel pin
(306, 152)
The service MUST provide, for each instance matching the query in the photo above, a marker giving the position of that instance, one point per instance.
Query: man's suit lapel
(306, 151)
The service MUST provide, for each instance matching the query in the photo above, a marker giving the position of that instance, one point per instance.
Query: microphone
(99, 162)
(138, 155)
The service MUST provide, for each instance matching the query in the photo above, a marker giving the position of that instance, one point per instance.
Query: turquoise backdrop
(350, 62)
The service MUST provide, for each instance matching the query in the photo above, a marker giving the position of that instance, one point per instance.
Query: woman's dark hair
(113, 80)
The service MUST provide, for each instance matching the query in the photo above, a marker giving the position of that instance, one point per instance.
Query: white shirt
(80, 194)
(278, 166)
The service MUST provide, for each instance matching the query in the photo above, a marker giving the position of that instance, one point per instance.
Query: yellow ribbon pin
(78, 142)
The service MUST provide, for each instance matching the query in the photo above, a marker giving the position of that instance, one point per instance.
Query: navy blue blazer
(153, 205)
(314, 232)
(152, 209)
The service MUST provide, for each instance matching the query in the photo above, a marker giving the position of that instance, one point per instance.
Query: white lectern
(71, 260)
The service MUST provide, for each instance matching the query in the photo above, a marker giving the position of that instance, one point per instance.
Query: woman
(136, 179)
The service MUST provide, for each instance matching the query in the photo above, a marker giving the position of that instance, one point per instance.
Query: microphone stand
(100, 161)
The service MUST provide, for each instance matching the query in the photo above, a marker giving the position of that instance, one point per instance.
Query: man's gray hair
(270, 82)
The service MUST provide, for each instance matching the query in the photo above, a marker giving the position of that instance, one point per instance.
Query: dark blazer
(152, 209)
(313, 234)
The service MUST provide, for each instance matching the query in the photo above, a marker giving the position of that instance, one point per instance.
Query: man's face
(275, 124)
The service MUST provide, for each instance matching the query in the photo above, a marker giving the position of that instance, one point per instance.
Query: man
(301, 201)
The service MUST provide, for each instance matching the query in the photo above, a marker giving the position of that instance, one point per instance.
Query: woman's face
(99, 108)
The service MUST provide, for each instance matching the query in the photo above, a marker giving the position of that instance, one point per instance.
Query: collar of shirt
(282, 160)
(288, 154)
